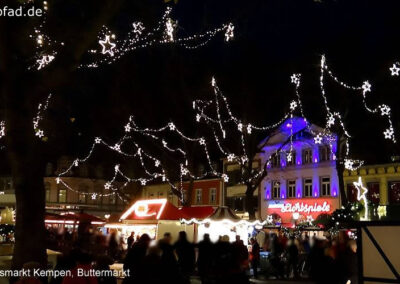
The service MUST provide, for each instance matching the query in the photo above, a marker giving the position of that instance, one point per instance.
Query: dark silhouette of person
(103, 264)
(152, 267)
(205, 259)
(255, 256)
(169, 264)
(224, 260)
(113, 246)
(186, 256)
(293, 258)
(241, 260)
(130, 240)
(134, 261)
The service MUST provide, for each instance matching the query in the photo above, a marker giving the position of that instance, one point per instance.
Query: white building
(302, 180)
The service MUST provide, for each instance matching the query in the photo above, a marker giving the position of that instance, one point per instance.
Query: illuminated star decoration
(127, 128)
(202, 141)
(97, 140)
(395, 70)
(270, 219)
(107, 46)
(107, 185)
(366, 87)
(225, 177)
(293, 105)
(138, 28)
(94, 196)
(231, 157)
(361, 195)
(389, 133)
(385, 110)
(46, 59)
(295, 79)
(318, 139)
(310, 219)
(229, 32)
(289, 157)
(331, 120)
(39, 133)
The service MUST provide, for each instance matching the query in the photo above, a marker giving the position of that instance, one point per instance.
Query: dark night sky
(273, 39)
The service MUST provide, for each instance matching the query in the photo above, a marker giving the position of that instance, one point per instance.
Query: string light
(361, 195)
(395, 69)
(107, 46)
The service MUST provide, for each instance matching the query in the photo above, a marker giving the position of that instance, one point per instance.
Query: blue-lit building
(302, 180)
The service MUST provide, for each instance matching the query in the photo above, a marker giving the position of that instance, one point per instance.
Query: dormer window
(307, 156)
(276, 160)
(324, 153)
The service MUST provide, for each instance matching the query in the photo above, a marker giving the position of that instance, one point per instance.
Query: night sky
(273, 40)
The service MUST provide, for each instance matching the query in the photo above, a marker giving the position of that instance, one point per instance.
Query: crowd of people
(323, 260)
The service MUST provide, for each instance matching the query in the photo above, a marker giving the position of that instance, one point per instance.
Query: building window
(113, 199)
(276, 189)
(160, 194)
(198, 196)
(307, 187)
(324, 153)
(47, 187)
(325, 186)
(62, 195)
(351, 192)
(82, 198)
(292, 160)
(373, 192)
(394, 192)
(213, 195)
(276, 160)
(307, 156)
(291, 188)
(234, 177)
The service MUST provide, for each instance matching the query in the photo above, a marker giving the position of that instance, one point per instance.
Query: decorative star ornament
(202, 141)
(385, 110)
(231, 157)
(293, 105)
(229, 32)
(138, 28)
(331, 120)
(310, 219)
(366, 87)
(270, 219)
(361, 189)
(295, 79)
(97, 140)
(289, 157)
(94, 195)
(395, 70)
(107, 185)
(225, 177)
(107, 46)
(171, 126)
(249, 127)
(318, 139)
(389, 133)
(128, 128)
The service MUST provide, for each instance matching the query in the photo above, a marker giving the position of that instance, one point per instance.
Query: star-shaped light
(389, 133)
(331, 120)
(293, 105)
(94, 195)
(249, 127)
(157, 163)
(198, 117)
(202, 141)
(366, 87)
(310, 219)
(240, 126)
(46, 59)
(58, 180)
(128, 128)
(213, 82)
(229, 32)
(385, 109)
(117, 147)
(270, 219)
(107, 46)
(361, 189)
(138, 28)
(169, 30)
(116, 168)
(39, 133)
(76, 162)
(164, 143)
(171, 126)
(318, 139)
(97, 140)
(225, 177)
(348, 164)
(295, 79)
(231, 157)
(107, 185)
(395, 70)
(143, 181)
(289, 157)
(244, 159)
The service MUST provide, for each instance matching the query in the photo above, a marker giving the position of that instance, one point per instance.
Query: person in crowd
(293, 258)
(113, 246)
(103, 264)
(31, 278)
(224, 260)
(152, 267)
(64, 262)
(241, 260)
(275, 257)
(169, 264)
(186, 256)
(83, 263)
(255, 256)
(130, 240)
(134, 260)
(205, 259)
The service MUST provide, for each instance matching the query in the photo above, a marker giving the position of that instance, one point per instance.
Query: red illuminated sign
(146, 209)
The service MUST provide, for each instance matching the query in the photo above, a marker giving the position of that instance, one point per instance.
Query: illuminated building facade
(302, 180)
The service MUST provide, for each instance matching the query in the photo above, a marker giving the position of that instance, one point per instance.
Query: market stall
(156, 217)
(71, 220)
(224, 222)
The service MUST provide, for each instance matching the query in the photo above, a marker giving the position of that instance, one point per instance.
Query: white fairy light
(127, 128)
(240, 127)
(293, 105)
(270, 219)
(44, 60)
(289, 157)
(202, 141)
(231, 157)
(318, 139)
(385, 110)
(389, 133)
(225, 177)
(107, 185)
(169, 30)
(107, 46)
(94, 195)
(2, 129)
(171, 126)
(366, 87)
(198, 117)
(361, 195)
(310, 219)
(229, 32)
(39, 133)
(249, 128)
(394, 70)
(97, 140)
(138, 28)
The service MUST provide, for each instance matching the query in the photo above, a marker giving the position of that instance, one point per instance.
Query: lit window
(276, 160)
(276, 190)
(198, 196)
(307, 187)
(47, 187)
(292, 160)
(160, 194)
(307, 156)
(213, 195)
(82, 198)
(291, 185)
(325, 186)
(62, 195)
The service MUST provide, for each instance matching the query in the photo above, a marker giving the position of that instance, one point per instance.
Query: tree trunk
(249, 203)
(25, 155)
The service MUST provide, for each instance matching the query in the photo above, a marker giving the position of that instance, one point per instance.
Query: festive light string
(39, 117)
(138, 37)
